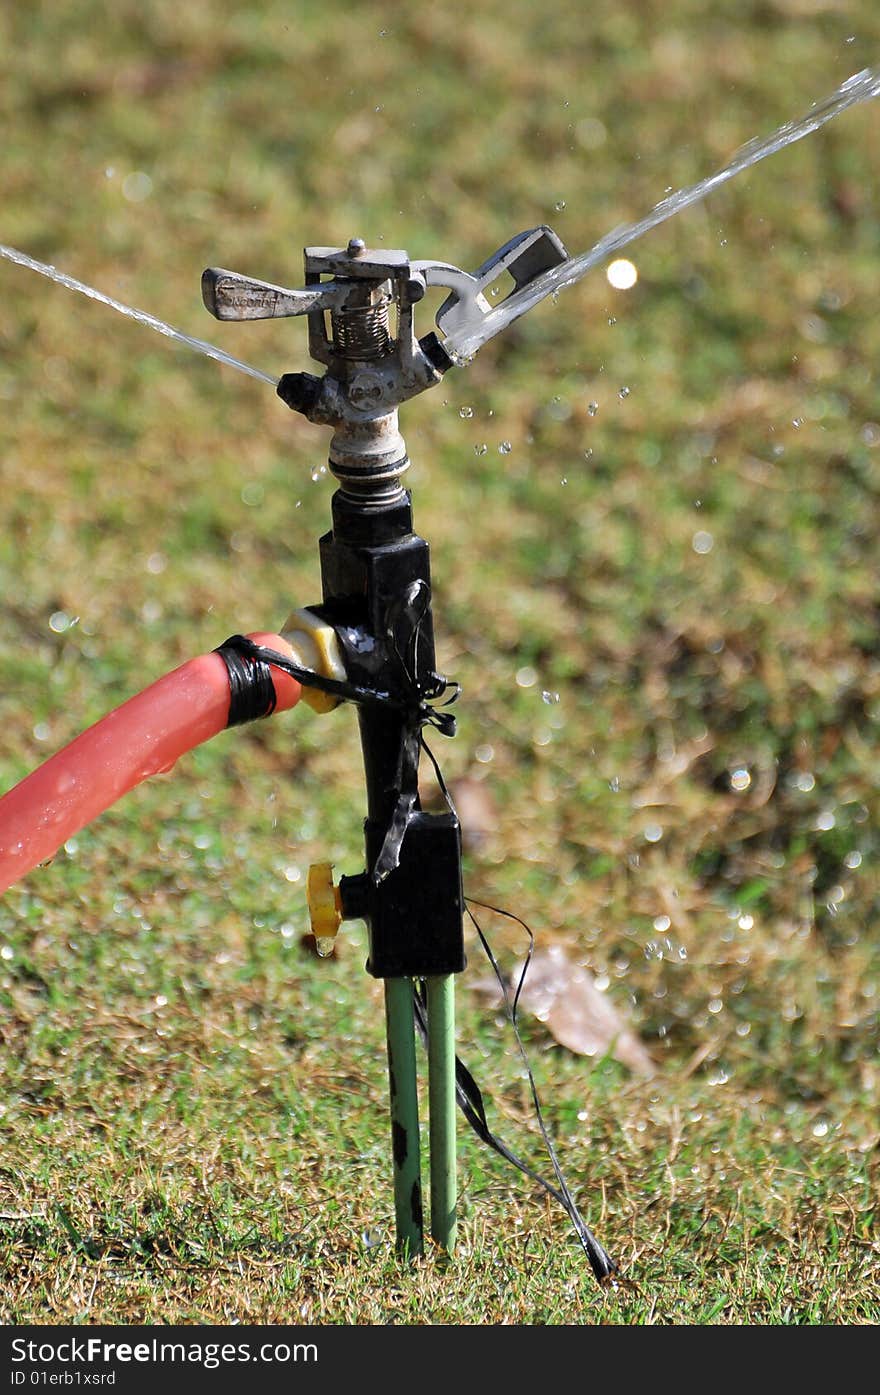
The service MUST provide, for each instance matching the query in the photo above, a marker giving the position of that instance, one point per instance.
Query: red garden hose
(143, 737)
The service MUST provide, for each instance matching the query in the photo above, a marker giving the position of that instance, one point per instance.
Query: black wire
(470, 1101)
(601, 1263)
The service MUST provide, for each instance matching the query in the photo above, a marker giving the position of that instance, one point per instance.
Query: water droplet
(740, 778)
(156, 563)
(592, 409)
(526, 677)
(504, 448)
(702, 542)
(614, 784)
(612, 319)
(662, 923)
(745, 921)
(624, 392)
(564, 479)
(549, 698)
(653, 833)
(466, 412)
(871, 433)
(820, 1129)
(60, 621)
(797, 421)
(7, 952)
(137, 186)
(825, 820)
(481, 448)
(559, 205)
(42, 731)
(803, 780)
(591, 133)
(484, 753)
(853, 859)
(325, 945)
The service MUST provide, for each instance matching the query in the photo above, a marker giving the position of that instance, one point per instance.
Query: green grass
(194, 1106)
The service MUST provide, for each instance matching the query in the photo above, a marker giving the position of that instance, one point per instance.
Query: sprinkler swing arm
(376, 585)
(370, 370)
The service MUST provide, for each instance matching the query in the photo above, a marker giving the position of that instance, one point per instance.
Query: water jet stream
(141, 316)
(858, 88)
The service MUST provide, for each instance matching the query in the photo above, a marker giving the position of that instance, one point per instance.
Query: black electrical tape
(251, 689)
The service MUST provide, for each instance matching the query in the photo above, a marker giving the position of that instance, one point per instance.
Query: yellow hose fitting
(317, 647)
(325, 906)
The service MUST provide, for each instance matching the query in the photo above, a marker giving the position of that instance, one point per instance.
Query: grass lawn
(654, 520)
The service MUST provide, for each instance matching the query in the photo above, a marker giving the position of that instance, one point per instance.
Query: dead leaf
(563, 995)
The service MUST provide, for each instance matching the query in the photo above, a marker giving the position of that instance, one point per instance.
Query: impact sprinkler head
(360, 302)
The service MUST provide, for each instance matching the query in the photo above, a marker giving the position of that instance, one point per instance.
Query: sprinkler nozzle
(300, 391)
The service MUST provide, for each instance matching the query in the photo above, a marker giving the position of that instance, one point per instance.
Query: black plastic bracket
(415, 913)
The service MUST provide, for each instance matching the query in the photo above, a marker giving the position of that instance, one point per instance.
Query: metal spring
(362, 331)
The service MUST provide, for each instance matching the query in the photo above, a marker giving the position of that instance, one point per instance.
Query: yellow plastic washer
(325, 907)
(317, 647)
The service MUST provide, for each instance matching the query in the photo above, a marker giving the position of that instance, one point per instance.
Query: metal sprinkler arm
(373, 365)
(525, 257)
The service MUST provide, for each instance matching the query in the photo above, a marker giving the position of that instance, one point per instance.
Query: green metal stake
(441, 1101)
(403, 1083)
